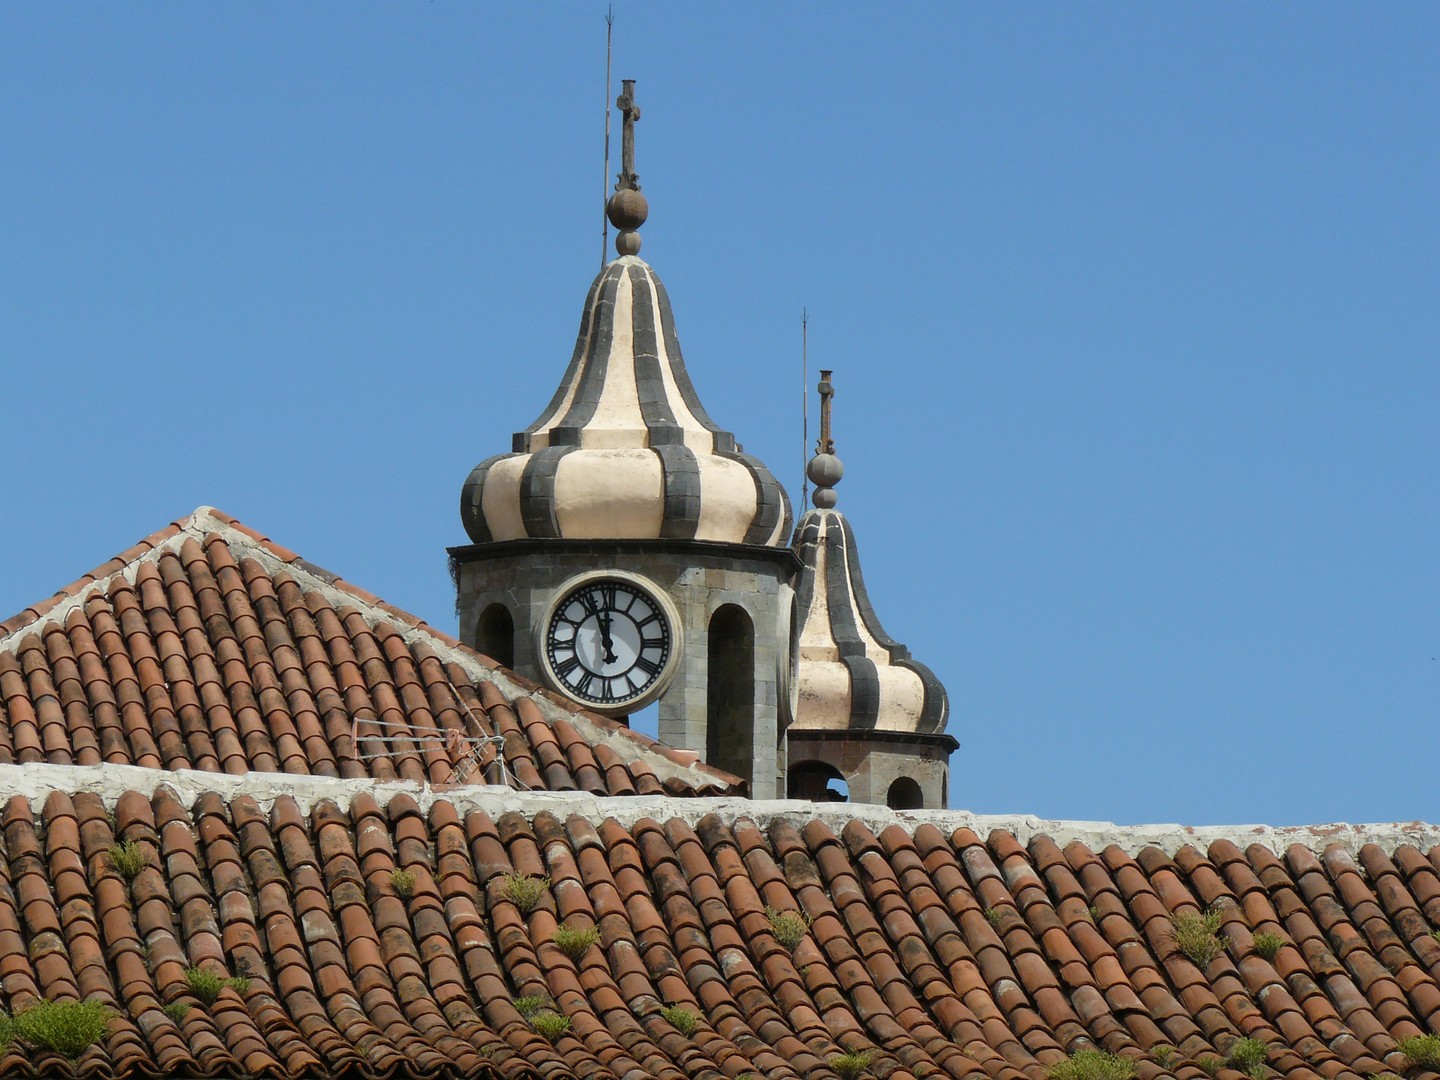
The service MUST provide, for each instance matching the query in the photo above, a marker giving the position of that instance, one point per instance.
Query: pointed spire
(627, 208)
(825, 469)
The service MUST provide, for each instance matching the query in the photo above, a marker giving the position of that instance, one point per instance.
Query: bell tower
(867, 712)
(627, 550)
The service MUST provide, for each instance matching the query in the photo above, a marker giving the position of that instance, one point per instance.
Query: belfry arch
(730, 691)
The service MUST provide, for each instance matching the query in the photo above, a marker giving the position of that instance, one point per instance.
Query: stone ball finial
(627, 209)
(627, 242)
(824, 471)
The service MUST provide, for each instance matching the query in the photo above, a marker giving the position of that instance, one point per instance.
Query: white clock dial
(609, 642)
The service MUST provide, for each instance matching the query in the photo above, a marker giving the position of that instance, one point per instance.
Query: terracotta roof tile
(209, 647)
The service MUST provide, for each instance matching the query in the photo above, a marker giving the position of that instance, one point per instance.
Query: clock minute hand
(605, 641)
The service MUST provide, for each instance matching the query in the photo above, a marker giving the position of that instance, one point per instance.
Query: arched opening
(730, 692)
(495, 635)
(817, 782)
(905, 794)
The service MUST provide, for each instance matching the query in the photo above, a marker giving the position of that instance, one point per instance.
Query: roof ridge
(207, 521)
(35, 782)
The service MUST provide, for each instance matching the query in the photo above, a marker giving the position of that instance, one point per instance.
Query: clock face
(608, 642)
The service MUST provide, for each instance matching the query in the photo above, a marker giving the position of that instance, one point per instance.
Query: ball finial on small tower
(627, 208)
(825, 469)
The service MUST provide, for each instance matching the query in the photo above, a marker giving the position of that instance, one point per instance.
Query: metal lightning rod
(805, 408)
(605, 179)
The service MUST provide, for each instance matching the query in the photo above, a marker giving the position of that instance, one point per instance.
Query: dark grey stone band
(681, 472)
(864, 693)
(843, 624)
(537, 491)
(659, 417)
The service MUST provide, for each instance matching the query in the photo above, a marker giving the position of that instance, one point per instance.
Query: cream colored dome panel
(727, 497)
(601, 493)
(501, 497)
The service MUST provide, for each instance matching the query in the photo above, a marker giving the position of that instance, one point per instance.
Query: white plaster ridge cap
(34, 782)
(207, 521)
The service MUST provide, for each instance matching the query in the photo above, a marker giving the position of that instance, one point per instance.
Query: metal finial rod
(605, 176)
(805, 400)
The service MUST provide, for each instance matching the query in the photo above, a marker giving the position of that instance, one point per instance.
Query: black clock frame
(660, 673)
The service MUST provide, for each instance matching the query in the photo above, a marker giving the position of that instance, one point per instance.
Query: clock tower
(627, 550)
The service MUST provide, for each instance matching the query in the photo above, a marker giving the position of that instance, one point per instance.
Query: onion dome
(851, 675)
(625, 450)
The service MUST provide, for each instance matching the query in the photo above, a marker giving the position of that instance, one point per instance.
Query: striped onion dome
(625, 450)
(850, 675)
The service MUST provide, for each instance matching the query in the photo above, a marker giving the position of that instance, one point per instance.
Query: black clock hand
(605, 641)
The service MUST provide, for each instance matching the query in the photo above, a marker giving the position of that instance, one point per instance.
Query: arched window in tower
(495, 635)
(816, 782)
(730, 692)
(905, 794)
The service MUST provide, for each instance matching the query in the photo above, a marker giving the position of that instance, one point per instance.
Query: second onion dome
(851, 675)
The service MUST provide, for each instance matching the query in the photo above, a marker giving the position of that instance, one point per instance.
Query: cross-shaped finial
(825, 444)
(631, 112)
(627, 208)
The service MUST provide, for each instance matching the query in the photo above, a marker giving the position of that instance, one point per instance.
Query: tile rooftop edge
(667, 762)
(35, 782)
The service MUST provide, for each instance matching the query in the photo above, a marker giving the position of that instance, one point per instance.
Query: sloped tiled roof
(947, 952)
(208, 647)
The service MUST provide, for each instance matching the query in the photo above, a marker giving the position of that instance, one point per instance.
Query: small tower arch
(495, 634)
(730, 691)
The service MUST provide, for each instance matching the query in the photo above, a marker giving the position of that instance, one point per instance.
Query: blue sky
(1133, 312)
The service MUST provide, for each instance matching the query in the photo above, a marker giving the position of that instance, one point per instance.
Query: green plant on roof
(851, 1065)
(1093, 1064)
(1209, 1065)
(1435, 934)
(525, 891)
(550, 1025)
(1248, 1055)
(1093, 912)
(403, 882)
(680, 1018)
(1268, 945)
(1423, 1051)
(127, 859)
(68, 1028)
(1162, 1055)
(206, 985)
(1197, 935)
(176, 1010)
(530, 1004)
(994, 915)
(789, 927)
(575, 941)
(7, 1030)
